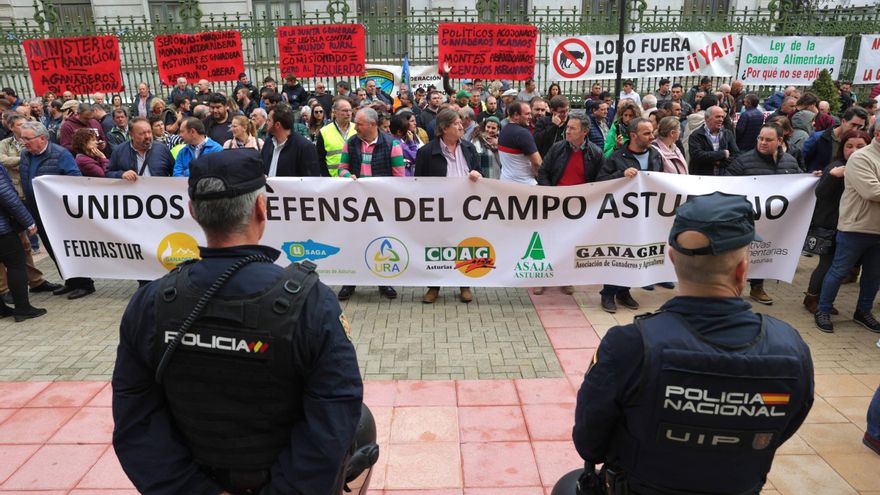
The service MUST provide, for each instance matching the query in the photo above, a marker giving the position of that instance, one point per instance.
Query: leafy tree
(825, 89)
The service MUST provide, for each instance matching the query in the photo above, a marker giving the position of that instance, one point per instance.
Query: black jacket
(623, 159)
(828, 193)
(754, 163)
(819, 154)
(547, 134)
(703, 156)
(430, 161)
(298, 158)
(556, 160)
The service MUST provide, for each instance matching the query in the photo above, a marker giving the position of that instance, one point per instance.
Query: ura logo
(176, 248)
(387, 257)
(298, 251)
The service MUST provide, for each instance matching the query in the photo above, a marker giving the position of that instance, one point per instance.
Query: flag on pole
(404, 75)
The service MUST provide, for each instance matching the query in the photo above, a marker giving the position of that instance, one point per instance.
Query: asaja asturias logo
(176, 248)
(298, 251)
(386, 257)
(534, 263)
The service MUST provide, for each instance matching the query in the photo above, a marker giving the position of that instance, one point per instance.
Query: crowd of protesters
(478, 129)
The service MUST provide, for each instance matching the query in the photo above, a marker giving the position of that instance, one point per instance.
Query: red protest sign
(79, 65)
(488, 51)
(215, 56)
(328, 50)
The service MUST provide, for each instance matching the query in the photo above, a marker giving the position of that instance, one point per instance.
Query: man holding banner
(40, 157)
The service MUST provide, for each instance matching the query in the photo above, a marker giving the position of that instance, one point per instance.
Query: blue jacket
(145, 435)
(11, 205)
(612, 382)
(747, 129)
(124, 158)
(54, 161)
(181, 165)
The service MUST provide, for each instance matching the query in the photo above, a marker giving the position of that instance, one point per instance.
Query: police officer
(234, 375)
(697, 397)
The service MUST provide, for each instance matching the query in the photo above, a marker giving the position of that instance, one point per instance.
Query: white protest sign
(645, 55)
(868, 67)
(788, 60)
(425, 231)
(422, 76)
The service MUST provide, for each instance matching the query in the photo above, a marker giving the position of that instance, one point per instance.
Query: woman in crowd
(553, 90)
(400, 130)
(823, 227)
(668, 132)
(244, 134)
(90, 160)
(618, 135)
(14, 218)
(316, 122)
(158, 109)
(116, 103)
(655, 116)
(384, 122)
(160, 135)
(485, 140)
(447, 155)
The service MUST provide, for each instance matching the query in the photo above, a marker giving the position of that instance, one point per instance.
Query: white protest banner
(645, 55)
(425, 231)
(422, 76)
(788, 60)
(868, 67)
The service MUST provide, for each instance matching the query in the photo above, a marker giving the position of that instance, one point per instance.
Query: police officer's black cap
(728, 220)
(240, 170)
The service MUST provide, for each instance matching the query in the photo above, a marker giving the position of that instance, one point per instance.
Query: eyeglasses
(318, 111)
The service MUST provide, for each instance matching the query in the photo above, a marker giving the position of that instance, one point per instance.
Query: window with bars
(75, 11)
(380, 15)
(277, 9)
(164, 10)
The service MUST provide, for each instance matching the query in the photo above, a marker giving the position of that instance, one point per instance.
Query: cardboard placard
(80, 65)
(215, 56)
(488, 51)
(328, 50)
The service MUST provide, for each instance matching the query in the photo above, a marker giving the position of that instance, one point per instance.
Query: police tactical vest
(708, 418)
(231, 385)
(333, 144)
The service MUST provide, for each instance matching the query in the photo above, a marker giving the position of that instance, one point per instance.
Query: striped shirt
(398, 166)
(515, 145)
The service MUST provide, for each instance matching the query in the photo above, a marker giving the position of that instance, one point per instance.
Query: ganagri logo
(297, 251)
(219, 343)
(620, 255)
(534, 263)
(474, 257)
(176, 248)
(386, 257)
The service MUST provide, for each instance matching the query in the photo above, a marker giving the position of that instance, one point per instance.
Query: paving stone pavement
(498, 335)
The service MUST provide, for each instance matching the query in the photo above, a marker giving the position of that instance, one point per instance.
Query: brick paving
(443, 433)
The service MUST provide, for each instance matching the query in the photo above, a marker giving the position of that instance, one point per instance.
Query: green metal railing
(390, 34)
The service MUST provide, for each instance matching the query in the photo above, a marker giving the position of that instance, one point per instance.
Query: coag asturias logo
(533, 263)
(176, 248)
(386, 257)
(298, 251)
(474, 257)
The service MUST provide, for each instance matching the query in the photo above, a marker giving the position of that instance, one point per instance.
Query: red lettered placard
(327, 50)
(488, 51)
(79, 65)
(215, 56)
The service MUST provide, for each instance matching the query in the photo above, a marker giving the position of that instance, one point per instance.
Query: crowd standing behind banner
(514, 130)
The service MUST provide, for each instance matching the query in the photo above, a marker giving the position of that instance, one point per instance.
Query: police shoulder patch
(345, 325)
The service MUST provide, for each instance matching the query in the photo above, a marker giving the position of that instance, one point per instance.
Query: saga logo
(386, 257)
(298, 251)
(176, 248)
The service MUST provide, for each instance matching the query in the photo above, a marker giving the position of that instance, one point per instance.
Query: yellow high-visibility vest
(333, 143)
